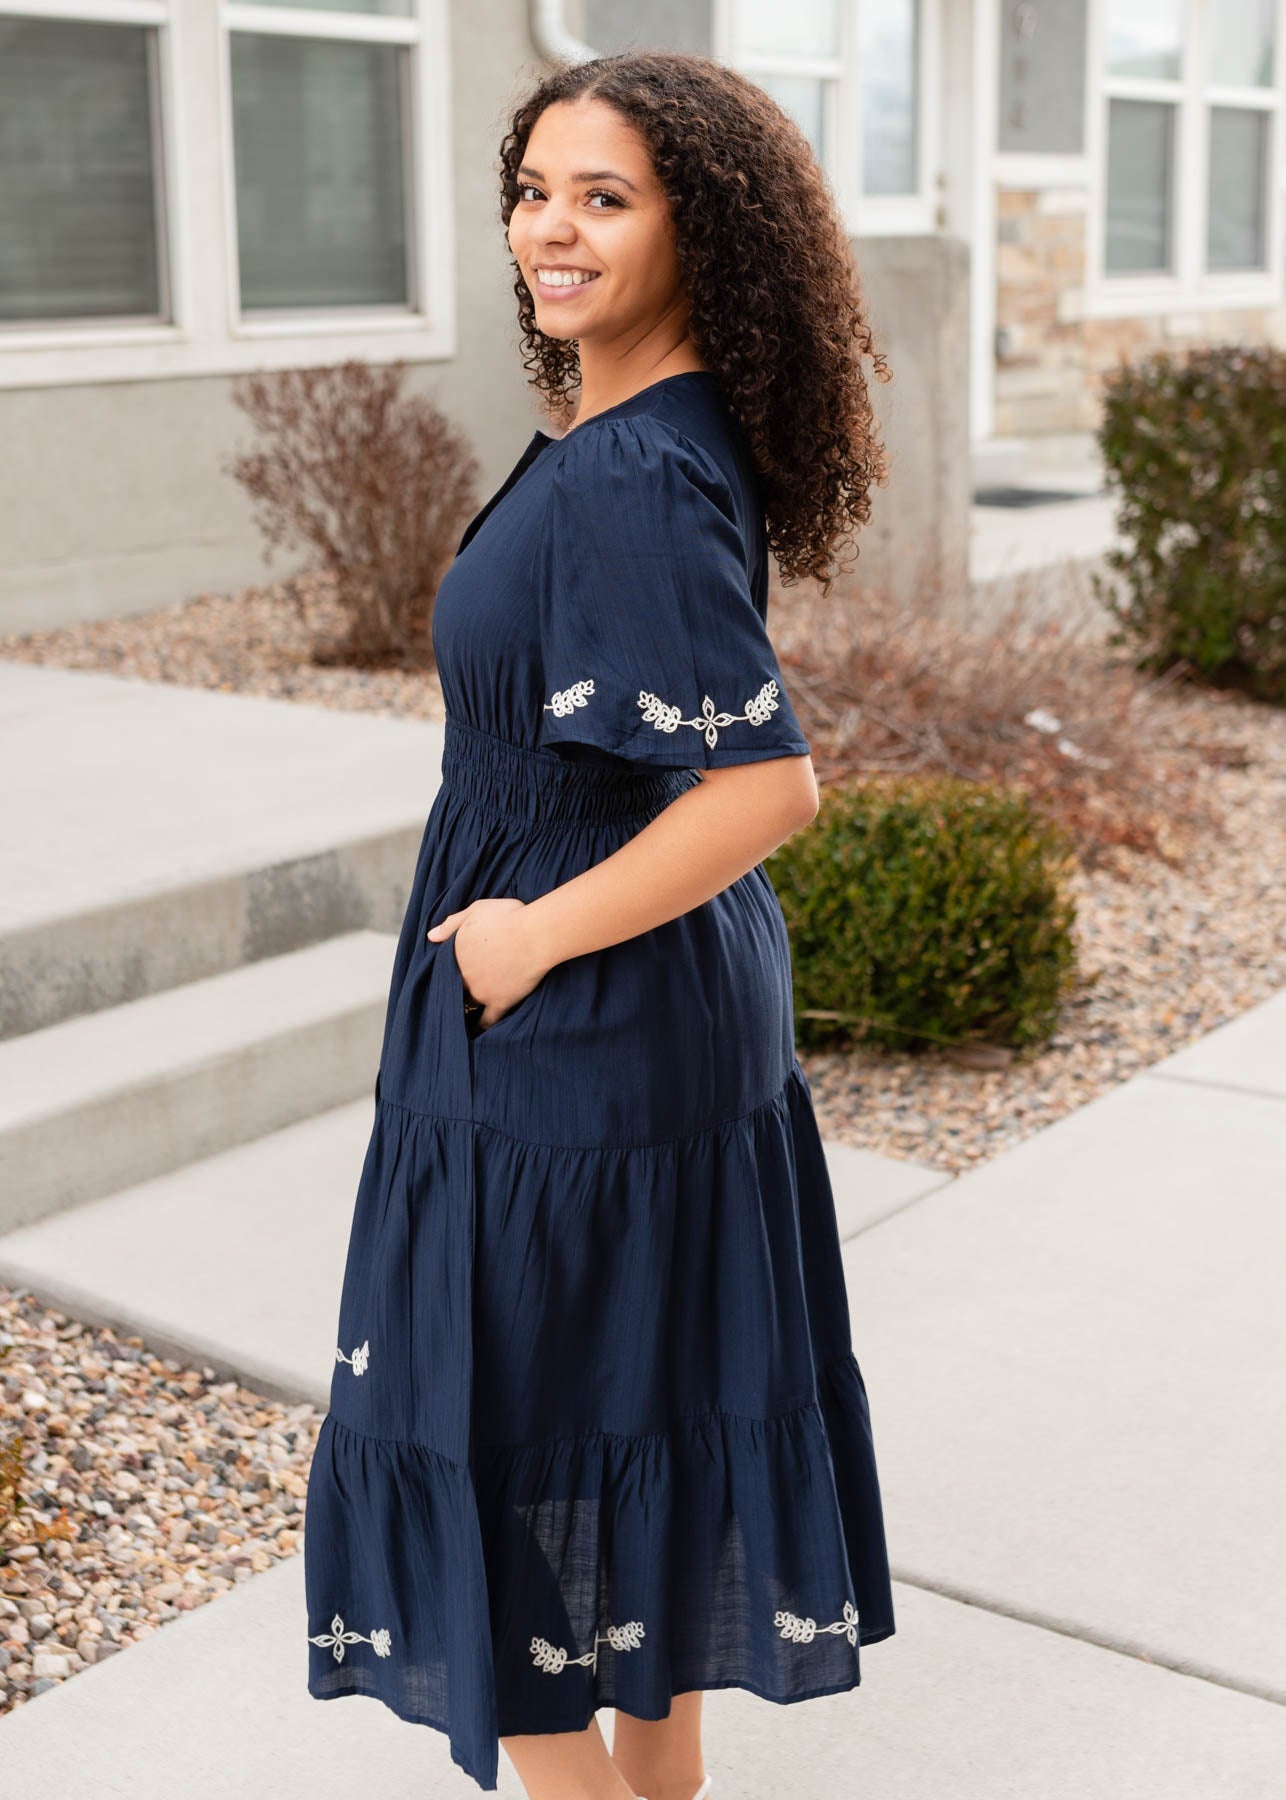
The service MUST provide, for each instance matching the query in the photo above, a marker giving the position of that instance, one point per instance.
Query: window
(853, 75)
(795, 54)
(888, 53)
(201, 187)
(319, 142)
(1192, 104)
(81, 182)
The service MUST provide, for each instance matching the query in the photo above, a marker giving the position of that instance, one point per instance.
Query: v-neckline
(541, 440)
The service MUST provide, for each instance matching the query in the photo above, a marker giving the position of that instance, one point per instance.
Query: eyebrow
(583, 175)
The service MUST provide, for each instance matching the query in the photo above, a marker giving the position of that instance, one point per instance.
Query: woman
(597, 1436)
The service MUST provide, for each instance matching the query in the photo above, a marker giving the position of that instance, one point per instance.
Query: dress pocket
(519, 1010)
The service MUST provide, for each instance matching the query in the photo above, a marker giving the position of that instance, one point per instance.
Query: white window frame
(1191, 285)
(206, 333)
(867, 215)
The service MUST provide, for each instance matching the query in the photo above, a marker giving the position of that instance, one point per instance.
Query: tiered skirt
(597, 1434)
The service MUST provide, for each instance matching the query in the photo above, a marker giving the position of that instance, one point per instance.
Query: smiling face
(590, 206)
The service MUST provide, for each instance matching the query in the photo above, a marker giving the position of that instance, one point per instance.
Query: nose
(556, 221)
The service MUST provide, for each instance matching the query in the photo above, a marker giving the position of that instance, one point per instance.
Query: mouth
(562, 284)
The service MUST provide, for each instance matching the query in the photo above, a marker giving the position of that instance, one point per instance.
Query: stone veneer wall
(1050, 359)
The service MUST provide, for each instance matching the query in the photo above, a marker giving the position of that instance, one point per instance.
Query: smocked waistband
(540, 786)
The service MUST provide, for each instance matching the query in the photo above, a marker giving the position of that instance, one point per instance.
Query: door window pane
(1241, 45)
(1145, 37)
(1140, 162)
(803, 28)
(317, 136)
(78, 213)
(888, 50)
(1235, 233)
(802, 98)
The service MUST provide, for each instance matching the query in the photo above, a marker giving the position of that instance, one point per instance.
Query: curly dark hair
(775, 303)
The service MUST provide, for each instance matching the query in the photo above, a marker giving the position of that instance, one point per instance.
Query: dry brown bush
(1005, 689)
(378, 485)
(12, 1450)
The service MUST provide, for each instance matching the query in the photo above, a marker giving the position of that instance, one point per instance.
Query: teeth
(566, 277)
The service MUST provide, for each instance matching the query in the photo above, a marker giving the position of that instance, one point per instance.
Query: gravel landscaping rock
(138, 1528)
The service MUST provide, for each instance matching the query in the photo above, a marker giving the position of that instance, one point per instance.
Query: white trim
(864, 215)
(205, 333)
(808, 68)
(1139, 301)
(314, 22)
(101, 12)
(844, 123)
(982, 224)
(1189, 286)
(1031, 169)
(914, 213)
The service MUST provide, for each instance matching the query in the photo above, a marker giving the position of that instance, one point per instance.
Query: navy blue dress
(597, 1435)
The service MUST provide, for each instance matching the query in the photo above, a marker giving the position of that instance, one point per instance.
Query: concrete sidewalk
(1025, 544)
(963, 1704)
(1076, 1360)
(1076, 1354)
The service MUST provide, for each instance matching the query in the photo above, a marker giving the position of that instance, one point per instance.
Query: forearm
(700, 844)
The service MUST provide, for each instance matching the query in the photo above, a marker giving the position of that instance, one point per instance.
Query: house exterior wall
(113, 494)
(614, 25)
(916, 292)
(112, 499)
(1061, 323)
(1051, 360)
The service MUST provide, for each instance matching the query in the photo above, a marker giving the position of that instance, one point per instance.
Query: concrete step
(237, 1261)
(98, 1103)
(156, 834)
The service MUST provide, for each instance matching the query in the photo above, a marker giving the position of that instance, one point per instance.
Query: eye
(529, 187)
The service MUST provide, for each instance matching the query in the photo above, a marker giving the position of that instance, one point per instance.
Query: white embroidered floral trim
(803, 1631)
(709, 722)
(335, 1640)
(554, 1660)
(666, 718)
(359, 1359)
(567, 698)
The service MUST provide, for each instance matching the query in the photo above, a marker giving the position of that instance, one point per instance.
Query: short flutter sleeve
(652, 645)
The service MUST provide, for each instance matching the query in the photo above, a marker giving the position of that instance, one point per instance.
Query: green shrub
(927, 911)
(1196, 447)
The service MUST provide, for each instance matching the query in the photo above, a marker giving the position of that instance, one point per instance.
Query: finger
(446, 923)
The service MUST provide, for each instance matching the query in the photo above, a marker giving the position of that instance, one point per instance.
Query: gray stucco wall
(111, 496)
(917, 299)
(612, 25)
